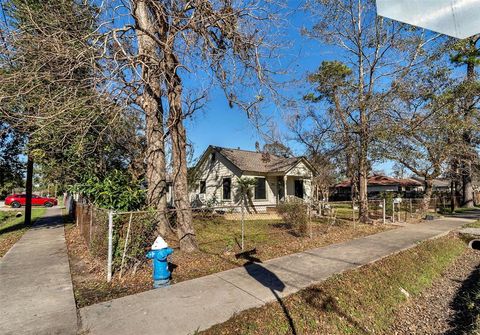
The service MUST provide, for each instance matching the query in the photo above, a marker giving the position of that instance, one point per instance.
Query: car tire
(16, 204)
(48, 204)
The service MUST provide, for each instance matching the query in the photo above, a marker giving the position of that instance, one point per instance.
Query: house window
(203, 187)
(260, 189)
(227, 188)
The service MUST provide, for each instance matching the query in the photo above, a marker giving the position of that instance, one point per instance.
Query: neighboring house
(439, 185)
(278, 178)
(376, 185)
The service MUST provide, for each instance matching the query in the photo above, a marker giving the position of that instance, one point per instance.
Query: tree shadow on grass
(323, 302)
(269, 280)
(12, 228)
(466, 305)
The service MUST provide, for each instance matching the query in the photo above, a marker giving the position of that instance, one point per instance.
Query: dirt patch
(89, 275)
(449, 306)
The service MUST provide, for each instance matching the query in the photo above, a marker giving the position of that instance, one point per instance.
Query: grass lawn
(475, 224)
(12, 228)
(219, 241)
(362, 301)
(447, 211)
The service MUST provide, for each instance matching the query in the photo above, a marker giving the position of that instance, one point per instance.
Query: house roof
(379, 180)
(436, 182)
(253, 161)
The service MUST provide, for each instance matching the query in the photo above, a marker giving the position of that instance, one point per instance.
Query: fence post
(310, 219)
(383, 211)
(90, 229)
(126, 244)
(243, 223)
(393, 211)
(399, 211)
(353, 215)
(411, 209)
(110, 246)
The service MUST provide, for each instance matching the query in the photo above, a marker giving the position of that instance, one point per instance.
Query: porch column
(284, 188)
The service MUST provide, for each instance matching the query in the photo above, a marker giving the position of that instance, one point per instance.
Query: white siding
(270, 190)
(213, 172)
(300, 170)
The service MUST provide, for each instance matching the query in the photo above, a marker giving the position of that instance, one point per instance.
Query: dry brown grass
(219, 242)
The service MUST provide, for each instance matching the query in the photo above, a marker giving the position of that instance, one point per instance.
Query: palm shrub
(244, 191)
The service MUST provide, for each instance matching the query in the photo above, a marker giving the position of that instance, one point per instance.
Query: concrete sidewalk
(36, 293)
(200, 303)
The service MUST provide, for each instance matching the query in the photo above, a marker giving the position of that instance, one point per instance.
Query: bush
(118, 190)
(296, 214)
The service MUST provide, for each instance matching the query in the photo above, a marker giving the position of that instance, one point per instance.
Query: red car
(19, 200)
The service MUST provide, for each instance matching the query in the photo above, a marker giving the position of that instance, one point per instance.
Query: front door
(299, 188)
(280, 190)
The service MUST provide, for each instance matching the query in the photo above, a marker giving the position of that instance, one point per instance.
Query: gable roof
(379, 180)
(253, 161)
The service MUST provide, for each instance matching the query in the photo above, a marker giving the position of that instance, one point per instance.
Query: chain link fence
(122, 239)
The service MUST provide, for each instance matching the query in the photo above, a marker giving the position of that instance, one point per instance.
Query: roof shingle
(257, 161)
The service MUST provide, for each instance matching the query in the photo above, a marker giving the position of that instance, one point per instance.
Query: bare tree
(151, 102)
(422, 131)
(379, 53)
(215, 42)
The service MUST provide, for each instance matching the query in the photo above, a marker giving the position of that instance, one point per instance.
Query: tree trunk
(363, 167)
(185, 231)
(362, 189)
(467, 185)
(363, 124)
(152, 105)
(454, 186)
(467, 188)
(427, 197)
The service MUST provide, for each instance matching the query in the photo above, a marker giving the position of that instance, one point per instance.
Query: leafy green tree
(467, 53)
(52, 91)
(11, 166)
(117, 190)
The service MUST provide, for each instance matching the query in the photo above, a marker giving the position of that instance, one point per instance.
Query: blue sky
(221, 125)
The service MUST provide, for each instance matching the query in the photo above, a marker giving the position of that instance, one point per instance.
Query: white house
(277, 178)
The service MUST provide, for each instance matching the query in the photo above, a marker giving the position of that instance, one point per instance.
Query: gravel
(441, 309)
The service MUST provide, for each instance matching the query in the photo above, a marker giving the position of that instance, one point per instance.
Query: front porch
(291, 187)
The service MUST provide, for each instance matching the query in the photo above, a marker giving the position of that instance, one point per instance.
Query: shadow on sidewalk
(268, 279)
(466, 305)
(48, 222)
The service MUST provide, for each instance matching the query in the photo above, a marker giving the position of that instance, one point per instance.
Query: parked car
(19, 200)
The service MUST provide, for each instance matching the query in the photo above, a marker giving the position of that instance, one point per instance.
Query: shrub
(118, 190)
(296, 214)
(388, 196)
